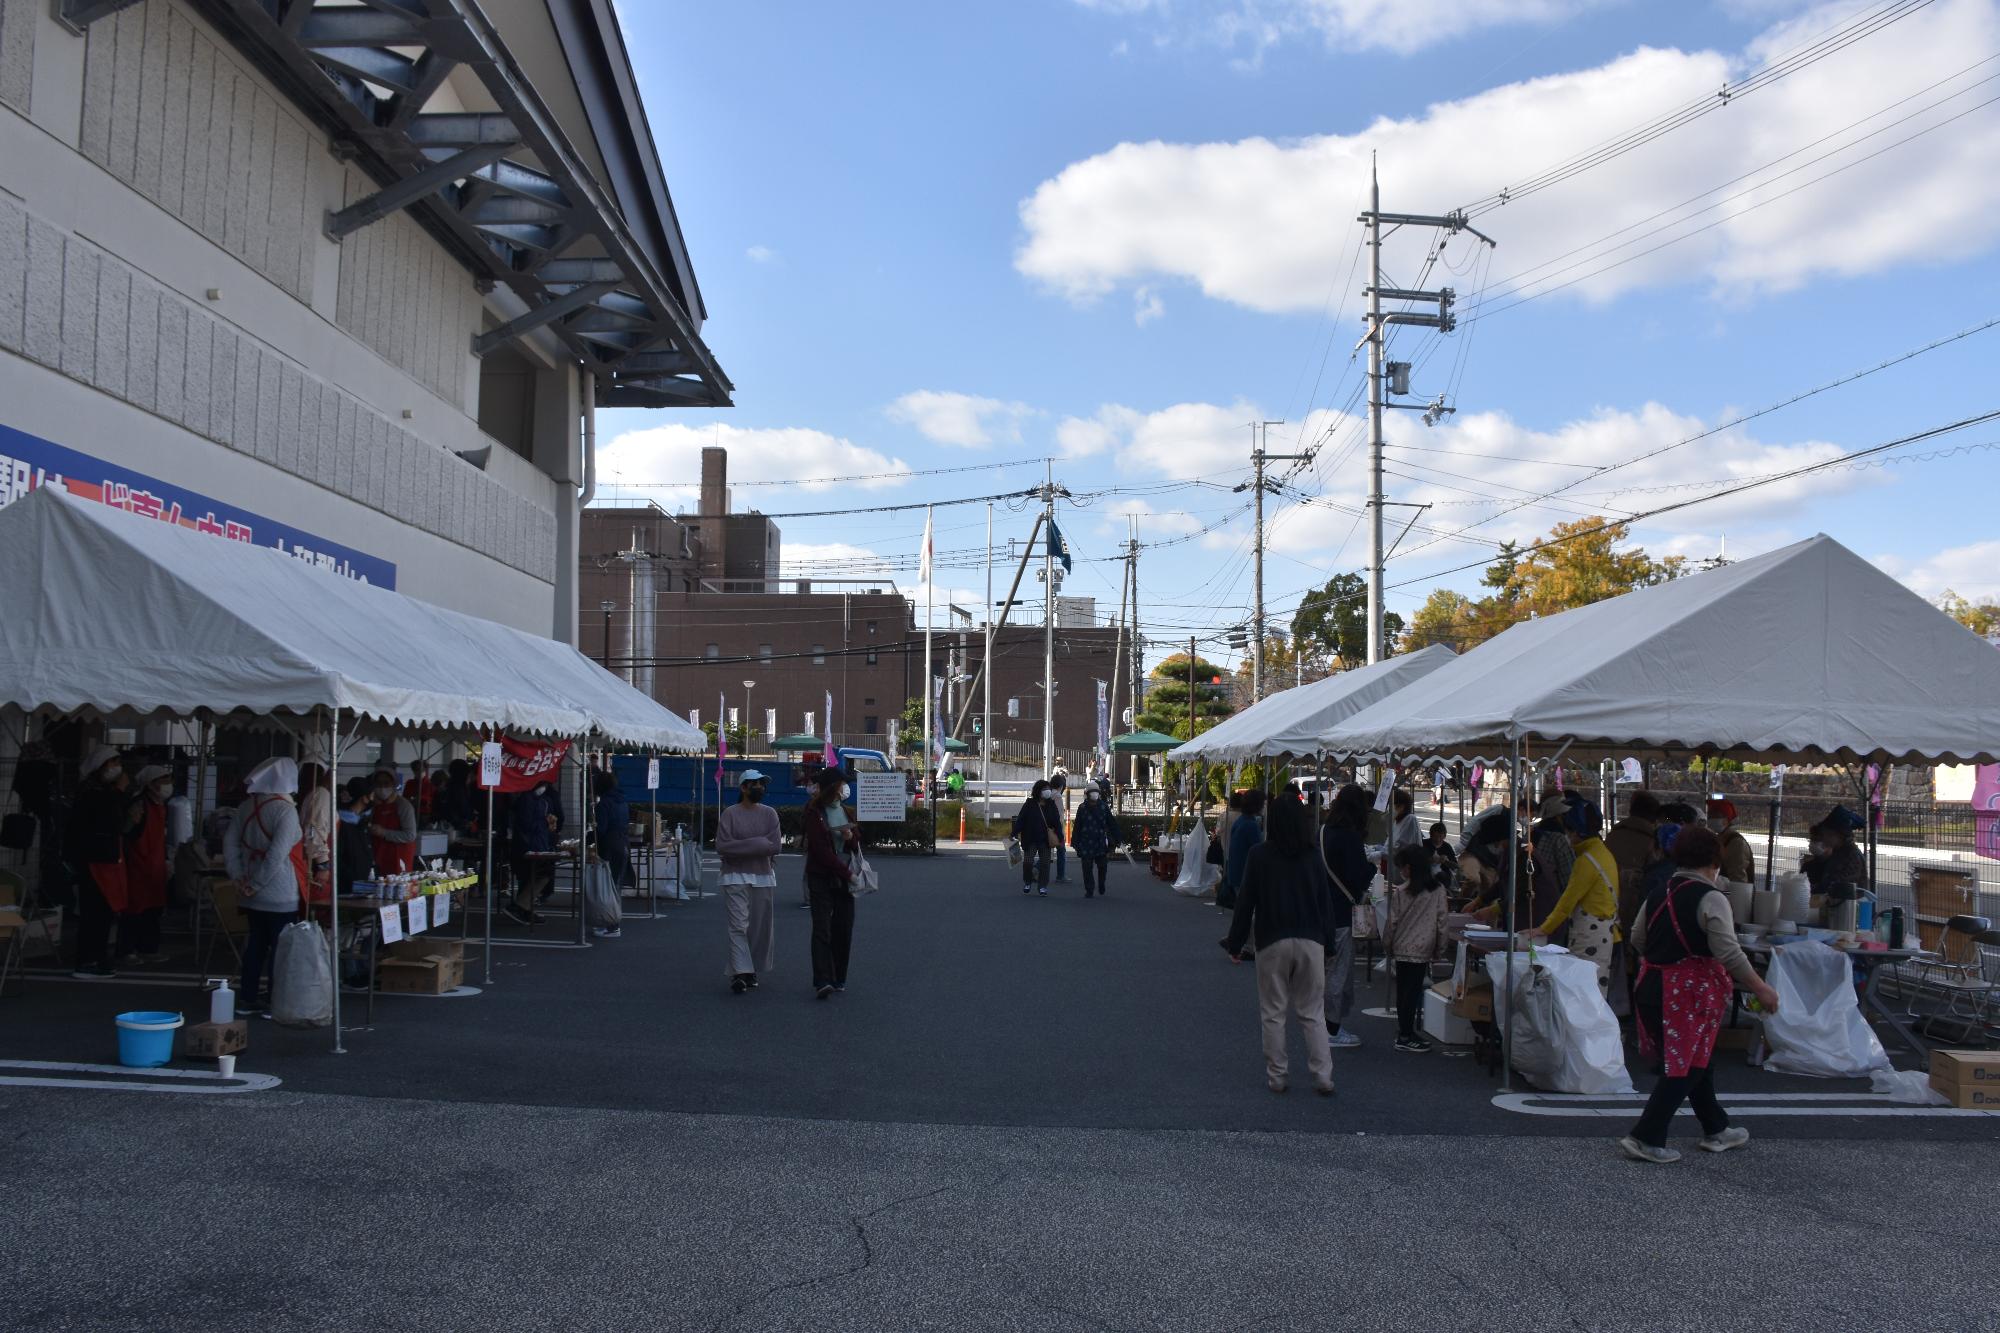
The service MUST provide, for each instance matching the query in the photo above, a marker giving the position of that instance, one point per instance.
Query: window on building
(764, 651)
(713, 650)
(871, 627)
(870, 701)
(872, 725)
(871, 657)
(819, 654)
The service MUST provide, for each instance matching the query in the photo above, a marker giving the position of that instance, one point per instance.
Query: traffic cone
(961, 823)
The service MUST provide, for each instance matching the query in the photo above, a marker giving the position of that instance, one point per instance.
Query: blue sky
(1106, 231)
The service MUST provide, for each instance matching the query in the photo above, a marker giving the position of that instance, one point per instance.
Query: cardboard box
(1476, 1004)
(1967, 1078)
(205, 1041)
(1439, 1020)
(412, 976)
(423, 947)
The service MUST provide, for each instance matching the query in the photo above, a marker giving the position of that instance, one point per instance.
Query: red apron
(146, 860)
(419, 792)
(109, 876)
(391, 858)
(1694, 999)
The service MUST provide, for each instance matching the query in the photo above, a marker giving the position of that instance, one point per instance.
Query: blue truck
(690, 779)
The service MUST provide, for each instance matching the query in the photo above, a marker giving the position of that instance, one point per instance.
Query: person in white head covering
(263, 852)
(94, 844)
(145, 866)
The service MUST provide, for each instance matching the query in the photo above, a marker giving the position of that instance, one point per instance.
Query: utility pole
(985, 670)
(1394, 376)
(1260, 434)
(1118, 655)
(1194, 708)
(1048, 617)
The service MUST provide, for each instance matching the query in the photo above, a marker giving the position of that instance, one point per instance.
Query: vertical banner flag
(1986, 811)
(1104, 723)
(770, 724)
(827, 756)
(924, 556)
(938, 753)
(721, 736)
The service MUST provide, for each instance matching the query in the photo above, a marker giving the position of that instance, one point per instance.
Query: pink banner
(1986, 811)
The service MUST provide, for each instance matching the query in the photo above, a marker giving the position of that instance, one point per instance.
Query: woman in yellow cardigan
(1590, 902)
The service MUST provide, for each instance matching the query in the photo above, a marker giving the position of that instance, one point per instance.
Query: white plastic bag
(600, 896)
(1566, 1038)
(1818, 1029)
(690, 865)
(302, 977)
(863, 877)
(1912, 1086)
(1197, 876)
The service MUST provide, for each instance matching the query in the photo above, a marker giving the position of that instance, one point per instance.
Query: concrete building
(339, 279)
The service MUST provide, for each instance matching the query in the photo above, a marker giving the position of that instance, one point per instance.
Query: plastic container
(146, 1038)
(222, 1003)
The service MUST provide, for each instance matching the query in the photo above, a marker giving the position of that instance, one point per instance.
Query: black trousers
(94, 919)
(1410, 979)
(260, 941)
(1093, 872)
(139, 932)
(1697, 1088)
(833, 929)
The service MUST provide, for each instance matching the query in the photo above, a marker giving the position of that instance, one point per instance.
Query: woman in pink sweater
(747, 839)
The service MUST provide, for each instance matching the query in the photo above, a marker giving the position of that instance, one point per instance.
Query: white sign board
(420, 913)
(652, 775)
(880, 798)
(489, 764)
(440, 909)
(392, 922)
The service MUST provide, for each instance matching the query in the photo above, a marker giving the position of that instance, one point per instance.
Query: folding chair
(1957, 978)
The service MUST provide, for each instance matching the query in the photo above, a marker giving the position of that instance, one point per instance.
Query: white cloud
(1153, 523)
(1079, 437)
(961, 419)
(1147, 306)
(1346, 25)
(1176, 443)
(760, 254)
(1264, 224)
(1970, 571)
(670, 456)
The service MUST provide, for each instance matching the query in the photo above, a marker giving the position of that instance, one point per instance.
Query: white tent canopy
(1290, 721)
(129, 616)
(1809, 651)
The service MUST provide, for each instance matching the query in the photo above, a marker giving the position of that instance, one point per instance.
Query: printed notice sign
(420, 913)
(880, 798)
(392, 923)
(490, 759)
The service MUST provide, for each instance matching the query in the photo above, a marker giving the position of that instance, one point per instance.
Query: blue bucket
(146, 1038)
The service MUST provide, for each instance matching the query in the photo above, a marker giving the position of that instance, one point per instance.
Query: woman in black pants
(829, 833)
(1686, 940)
(1416, 926)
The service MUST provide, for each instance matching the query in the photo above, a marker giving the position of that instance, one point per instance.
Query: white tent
(1291, 721)
(131, 617)
(1808, 651)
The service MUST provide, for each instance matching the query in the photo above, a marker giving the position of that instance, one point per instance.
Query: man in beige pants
(747, 840)
(1284, 900)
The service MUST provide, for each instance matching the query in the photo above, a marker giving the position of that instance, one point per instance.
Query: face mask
(113, 773)
(1091, 796)
(846, 792)
(161, 791)
(753, 794)
(385, 793)
(350, 816)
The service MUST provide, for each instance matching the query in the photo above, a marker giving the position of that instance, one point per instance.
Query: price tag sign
(420, 913)
(489, 764)
(392, 922)
(652, 774)
(440, 909)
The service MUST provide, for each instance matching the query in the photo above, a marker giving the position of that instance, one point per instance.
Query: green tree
(1446, 617)
(1982, 618)
(1578, 563)
(1331, 626)
(1166, 709)
(910, 727)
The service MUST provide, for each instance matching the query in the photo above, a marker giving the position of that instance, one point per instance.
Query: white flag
(924, 559)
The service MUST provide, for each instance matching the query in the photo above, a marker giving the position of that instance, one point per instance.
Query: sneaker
(517, 915)
(1044, 893)
(1275, 1084)
(608, 932)
(1414, 1045)
(1027, 888)
(737, 985)
(750, 980)
(1343, 1041)
(840, 988)
(1733, 1137)
(152, 958)
(1323, 1089)
(95, 972)
(824, 992)
(1646, 1152)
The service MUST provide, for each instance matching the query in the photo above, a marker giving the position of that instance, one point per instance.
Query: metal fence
(1944, 826)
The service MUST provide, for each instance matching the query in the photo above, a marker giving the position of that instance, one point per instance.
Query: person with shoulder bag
(264, 853)
(830, 834)
(1034, 827)
(1346, 858)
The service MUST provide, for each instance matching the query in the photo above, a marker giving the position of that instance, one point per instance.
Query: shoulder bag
(1365, 925)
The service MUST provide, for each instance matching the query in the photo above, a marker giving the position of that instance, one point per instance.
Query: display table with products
(422, 961)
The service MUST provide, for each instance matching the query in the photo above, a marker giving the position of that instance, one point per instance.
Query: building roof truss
(503, 189)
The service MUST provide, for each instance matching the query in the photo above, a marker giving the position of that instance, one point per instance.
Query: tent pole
(1513, 891)
(333, 897)
(487, 882)
(583, 829)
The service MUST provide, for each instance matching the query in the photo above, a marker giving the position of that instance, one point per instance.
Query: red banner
(525, 763)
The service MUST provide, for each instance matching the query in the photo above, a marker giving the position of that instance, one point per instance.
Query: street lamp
(748, 686)
(607, 606)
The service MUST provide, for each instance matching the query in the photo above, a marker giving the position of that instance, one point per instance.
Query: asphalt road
(1024, 1113)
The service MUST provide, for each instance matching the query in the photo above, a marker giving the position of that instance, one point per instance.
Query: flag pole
(930, 579)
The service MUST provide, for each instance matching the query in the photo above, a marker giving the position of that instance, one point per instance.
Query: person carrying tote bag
(1345, 855)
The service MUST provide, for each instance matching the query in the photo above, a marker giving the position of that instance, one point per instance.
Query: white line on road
(200, 1081)
(1625, 1106)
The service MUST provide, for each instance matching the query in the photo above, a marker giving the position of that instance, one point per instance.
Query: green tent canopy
(1142, 742)
(953, 745)
(798, 742)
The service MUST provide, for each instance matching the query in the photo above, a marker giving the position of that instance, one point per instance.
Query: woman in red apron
(393, 823)
(1687, 941)
(94, 845)
(146, 868)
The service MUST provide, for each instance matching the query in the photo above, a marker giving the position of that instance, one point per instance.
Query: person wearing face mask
(1037, 825)
(263, 853)
(830, 834)
(1685, 937)
(316, 817)
(1739, 862)
(357, 848)
(1831, 857)
(748, 839)
(1095, 834)
(94, 845)
(393, 825)
(145, 867)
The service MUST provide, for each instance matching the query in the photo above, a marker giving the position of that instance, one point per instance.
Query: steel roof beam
(460, 129)
(546, 313)
(409, 189)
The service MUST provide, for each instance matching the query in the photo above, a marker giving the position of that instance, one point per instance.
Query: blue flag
(1058, 547)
